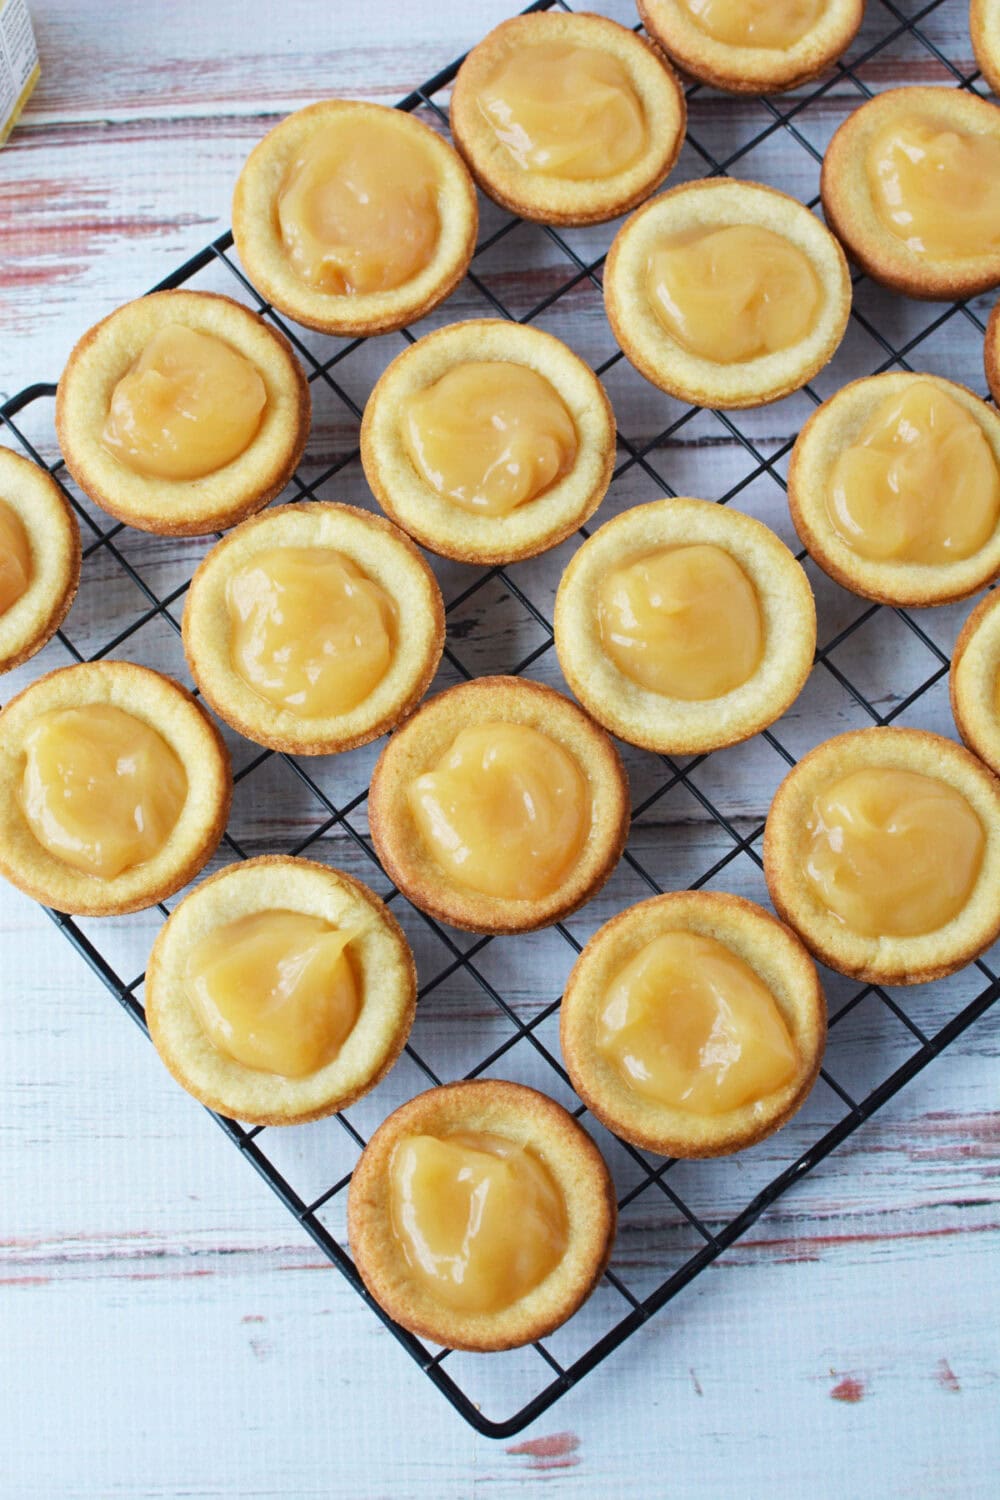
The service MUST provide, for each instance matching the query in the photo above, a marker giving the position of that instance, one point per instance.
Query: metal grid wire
(681, 1239)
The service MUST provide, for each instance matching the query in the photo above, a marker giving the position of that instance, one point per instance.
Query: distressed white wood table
(165, 1328)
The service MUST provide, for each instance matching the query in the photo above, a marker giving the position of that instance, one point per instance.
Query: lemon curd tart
(499, 806)
(882, 851)
(753, 46)
(894, 487)
(911, 186)
(481, 1215)
(280, 990)
(991, 352)
(354, 218)
(693, 1024)
(726, 294)
(984, 26)
(568, 119)
(39, 558)
(313, 628)
(182, 413)
(114, 788)
(488, 441)
(683, 626)
(975, 681)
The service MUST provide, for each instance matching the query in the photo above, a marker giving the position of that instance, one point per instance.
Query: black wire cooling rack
(490, 1006)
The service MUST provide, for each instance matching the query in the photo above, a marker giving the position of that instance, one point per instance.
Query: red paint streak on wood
(555, 1452)
(949, 1135)
(253, 1318)
(25, 1280)
(851, 1389)
(85, 137)
(115, 80)
(52, 229)
(946, 1377)
(173, 1275)
(819, 1242)
(34, 1241)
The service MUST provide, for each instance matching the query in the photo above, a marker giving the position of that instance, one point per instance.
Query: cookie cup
(517, 1113)
(883, 960)
(383, 968)
(851, 213)
(259, 243)
(975, 682)
(419, 746)
(544, 196)
(678, 726)
(752, 70)
(714, 204)
(774, 954)
(831, 429)
(991, 352)
(385, 555)
(181, 507)
(437, 522)
(172, 712)
(984, 26)
(54, 545)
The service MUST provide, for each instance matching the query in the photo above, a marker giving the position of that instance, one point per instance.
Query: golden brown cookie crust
(752, 70)
(832, 428)
(189, 507)
(382, 961)
(885, 960)
(671, 725)
(713, 204)
(54, 541)
(386, 556)
(517, 1113)
(975, 680)
(851, 213)
(991, 352)
(419, 746)
(768, 947)
(169, 709)
(436, 522)
(258, 239)
(557, 200)
(984, 26)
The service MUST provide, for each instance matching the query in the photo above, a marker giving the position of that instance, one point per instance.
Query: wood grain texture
(167, 1329)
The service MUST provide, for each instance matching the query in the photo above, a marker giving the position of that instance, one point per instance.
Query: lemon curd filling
(777, 24)
(15, 558)
(688, 1024)
(682, 621)
(937, 190)
(275, 990)
(101, 790)
(189, 405)
(489, 436)
(505, 812)
(480, 1220)
(565, 111)
(358, 208)
(919, 483)
(309, 631)
(733, 294)
(892, 853)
